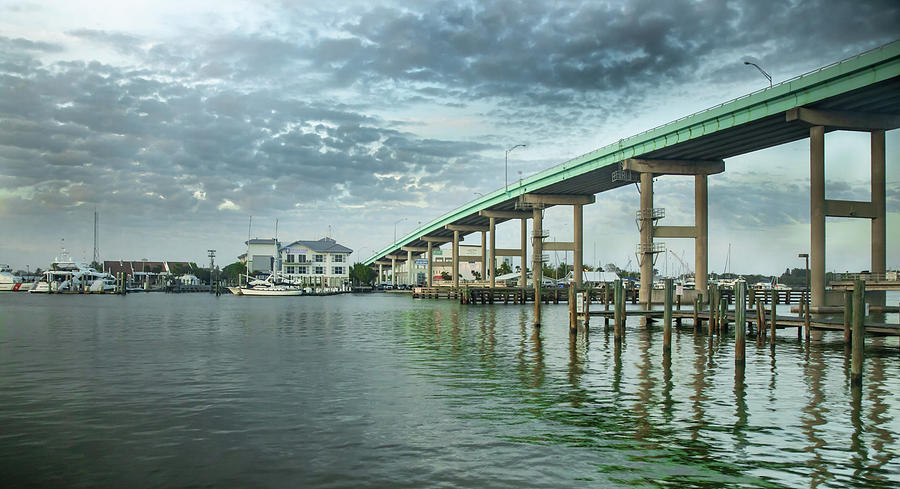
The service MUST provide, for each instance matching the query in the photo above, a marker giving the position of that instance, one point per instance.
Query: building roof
(324, 245)
(130, 267)
(261, 241)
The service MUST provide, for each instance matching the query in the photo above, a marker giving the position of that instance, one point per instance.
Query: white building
(261, 255)
(323, 262)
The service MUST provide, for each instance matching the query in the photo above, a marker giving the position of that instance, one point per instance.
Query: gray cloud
(311, 111)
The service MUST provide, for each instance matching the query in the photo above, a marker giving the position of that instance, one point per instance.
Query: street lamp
(806, 257)
(506, 165)
(768, 77)
(395, 227)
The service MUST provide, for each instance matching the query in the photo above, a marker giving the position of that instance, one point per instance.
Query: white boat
(67, 275)
(10, 282)
(272, 286)
(267, 287)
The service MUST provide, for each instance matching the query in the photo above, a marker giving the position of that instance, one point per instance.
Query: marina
(450, 244)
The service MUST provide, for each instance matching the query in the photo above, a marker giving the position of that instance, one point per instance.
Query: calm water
(379, 390)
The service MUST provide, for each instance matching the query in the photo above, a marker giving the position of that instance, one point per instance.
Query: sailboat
(270, 286)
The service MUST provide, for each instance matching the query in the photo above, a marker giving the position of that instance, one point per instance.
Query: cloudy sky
(177, 121)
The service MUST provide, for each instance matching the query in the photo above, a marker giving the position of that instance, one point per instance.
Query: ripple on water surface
(153, 390)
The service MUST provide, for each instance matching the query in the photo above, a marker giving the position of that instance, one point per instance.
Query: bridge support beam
(879, 222)
(409, 267)
(646, 246)
(817, 216)
(394, 270)
(455, 258)
(484, 270)
(523, 279)
(701, 227)
(537, 268)
(428, 267)
(380, 273)
(578, 253)
(493, 258)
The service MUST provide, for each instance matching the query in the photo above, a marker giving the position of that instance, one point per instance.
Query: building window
(339, 258)
(320, 258)
(303, 270)
(301, 258)
(338, 271)
(290, 259)
(320, 270)
(290, 269)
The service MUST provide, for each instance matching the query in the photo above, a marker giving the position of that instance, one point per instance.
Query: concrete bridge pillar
(483, 255)
(428, 267)
(537, 251)
(879, 221)
(490, 270)
(409, 267)
(701, 223)
(523, 279)
(455, 266)
(380, 273)
(646, 246)
(817, 215)
(394, 270)
(578, 254)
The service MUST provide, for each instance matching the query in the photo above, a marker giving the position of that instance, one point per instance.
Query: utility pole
(212, 272)
(96, 239)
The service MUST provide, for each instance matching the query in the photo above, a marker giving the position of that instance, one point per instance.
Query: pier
(861, 94)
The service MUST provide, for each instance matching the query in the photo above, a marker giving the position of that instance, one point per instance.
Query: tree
(157, 269)
(180, 269)
(362, 274)
(233, 272)
(477, 275)
(503, 269)
(445, 275)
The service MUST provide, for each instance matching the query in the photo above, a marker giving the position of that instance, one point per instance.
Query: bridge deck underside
(738, 138)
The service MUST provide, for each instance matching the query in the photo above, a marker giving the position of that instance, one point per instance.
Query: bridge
(861, 93)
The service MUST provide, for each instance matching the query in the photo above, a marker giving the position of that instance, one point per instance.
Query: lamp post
(805, 256)
(395, 227)
(768, 77)
(506, 165)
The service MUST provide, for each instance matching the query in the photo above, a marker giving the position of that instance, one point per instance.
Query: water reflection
(646, 383)
(879, 415)
(740, 414)
(446, 395)
(815, 413)
(700, 384)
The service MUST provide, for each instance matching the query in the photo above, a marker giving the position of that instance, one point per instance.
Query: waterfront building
(148, 273)
(261, 256)
(322, 262)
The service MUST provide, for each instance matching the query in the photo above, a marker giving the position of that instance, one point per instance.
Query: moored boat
(10, 282)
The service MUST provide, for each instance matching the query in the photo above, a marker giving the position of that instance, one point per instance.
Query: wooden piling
(697, 301)
(617, 310)
(667, 318)
(859, 338)
(573, 319)
(806, 320)
(622, 316)
(848, 315)
(760, 322)
(772, 326)
(740, 325)
(723, 318)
